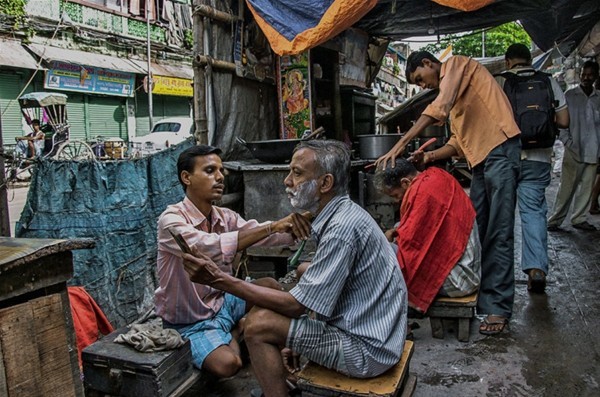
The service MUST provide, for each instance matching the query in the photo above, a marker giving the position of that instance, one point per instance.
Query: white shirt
(583, 136)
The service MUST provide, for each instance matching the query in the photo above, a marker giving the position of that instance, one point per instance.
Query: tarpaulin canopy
(547, 21)
(293, 26)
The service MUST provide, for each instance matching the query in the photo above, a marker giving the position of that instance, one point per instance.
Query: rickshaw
(51, 109)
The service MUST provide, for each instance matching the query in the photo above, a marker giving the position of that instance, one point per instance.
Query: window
(170, 127)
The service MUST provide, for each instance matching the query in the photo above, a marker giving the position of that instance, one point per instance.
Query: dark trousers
(493, 193)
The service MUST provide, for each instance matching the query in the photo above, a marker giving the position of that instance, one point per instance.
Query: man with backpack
(539, 107)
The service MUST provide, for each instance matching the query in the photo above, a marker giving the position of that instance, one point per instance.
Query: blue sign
(82, 78)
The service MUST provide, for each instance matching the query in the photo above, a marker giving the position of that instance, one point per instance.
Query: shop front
(172, 94)
(16, 68)
(98, 96)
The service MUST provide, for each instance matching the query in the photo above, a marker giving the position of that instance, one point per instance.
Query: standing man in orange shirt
(485, 133)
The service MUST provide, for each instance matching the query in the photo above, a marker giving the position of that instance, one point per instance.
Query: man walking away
(539, 107)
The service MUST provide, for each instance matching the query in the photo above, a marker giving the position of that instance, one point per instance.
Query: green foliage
(14, 8)
(188, 38)
(497, 41)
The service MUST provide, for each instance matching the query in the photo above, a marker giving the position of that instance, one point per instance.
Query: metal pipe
(203, 60)
(210, 12)
(210, 104)
(148, 53)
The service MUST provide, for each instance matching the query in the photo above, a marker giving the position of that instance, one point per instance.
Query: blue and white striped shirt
(354, 282)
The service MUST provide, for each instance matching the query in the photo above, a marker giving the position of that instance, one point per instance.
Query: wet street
(552, 348)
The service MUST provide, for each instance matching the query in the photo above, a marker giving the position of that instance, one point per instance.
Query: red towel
(436, 218)
(88, 319)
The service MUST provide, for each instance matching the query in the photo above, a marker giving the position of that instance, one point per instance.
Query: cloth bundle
(151, 338)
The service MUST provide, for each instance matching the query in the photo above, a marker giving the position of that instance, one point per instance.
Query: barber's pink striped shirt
(177, 299)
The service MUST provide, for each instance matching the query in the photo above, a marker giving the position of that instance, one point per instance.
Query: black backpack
(533, 104)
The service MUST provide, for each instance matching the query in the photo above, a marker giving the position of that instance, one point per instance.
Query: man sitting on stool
(437, 239)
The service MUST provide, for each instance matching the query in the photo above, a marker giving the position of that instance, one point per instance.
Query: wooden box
(120, 370)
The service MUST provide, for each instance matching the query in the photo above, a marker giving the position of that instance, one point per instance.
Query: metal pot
(277, 151)
(372, 147)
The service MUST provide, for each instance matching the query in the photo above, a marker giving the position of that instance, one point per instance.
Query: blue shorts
(206, 335)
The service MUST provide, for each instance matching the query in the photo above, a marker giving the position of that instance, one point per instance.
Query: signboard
(172, 86)
(294, 94)
(82, 78)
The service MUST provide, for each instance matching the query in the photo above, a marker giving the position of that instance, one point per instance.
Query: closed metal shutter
(11, 85)
(107, 117)
(163, 106)
(76, 114)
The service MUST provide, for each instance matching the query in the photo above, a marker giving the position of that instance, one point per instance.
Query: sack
(532, 100)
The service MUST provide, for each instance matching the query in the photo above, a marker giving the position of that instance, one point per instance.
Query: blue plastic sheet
(116, 203)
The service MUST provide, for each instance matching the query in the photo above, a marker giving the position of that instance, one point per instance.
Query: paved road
(17, 195)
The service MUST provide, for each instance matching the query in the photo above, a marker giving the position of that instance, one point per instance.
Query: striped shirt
(583, 136)
(177, 299)
(465, 276)
(354, 282)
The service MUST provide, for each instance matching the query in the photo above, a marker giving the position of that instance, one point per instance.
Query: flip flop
(502, 321)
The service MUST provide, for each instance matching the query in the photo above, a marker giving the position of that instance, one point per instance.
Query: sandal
(486, 323)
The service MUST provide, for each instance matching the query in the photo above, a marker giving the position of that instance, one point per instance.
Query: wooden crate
(35, 354)
(461, 309)
(316, 381)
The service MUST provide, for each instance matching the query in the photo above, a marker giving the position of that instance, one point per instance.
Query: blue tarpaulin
(116, 203)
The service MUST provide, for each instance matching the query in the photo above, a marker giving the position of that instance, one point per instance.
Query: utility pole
(4, 219)
(149, 77)
(200, 121)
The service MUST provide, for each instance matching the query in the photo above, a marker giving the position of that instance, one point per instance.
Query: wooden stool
(462, 309)
(317, 381)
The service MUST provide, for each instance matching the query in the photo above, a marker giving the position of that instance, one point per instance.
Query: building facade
(95, 52)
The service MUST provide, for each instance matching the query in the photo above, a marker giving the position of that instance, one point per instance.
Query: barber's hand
(202, 269)
(296, 224)
(395, 152)
(419, 158)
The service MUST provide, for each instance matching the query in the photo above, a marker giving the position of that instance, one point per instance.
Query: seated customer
(437, 240)
(353, 288)
(205, 315)
(32, 145)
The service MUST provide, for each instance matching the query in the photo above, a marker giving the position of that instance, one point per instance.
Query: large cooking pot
(276, 151)
(373, 146)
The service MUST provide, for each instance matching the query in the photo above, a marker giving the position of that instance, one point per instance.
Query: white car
(166, 132)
